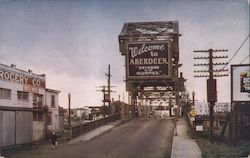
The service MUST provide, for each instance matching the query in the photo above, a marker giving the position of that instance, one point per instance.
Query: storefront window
(22, 95)
(53, 105)
(37, 116)
(37, 100)
(5, 93)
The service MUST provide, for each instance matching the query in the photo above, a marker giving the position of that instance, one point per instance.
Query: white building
(202, 108)
(25, 106)
(222, 107)
(53, 111)
(82, 112)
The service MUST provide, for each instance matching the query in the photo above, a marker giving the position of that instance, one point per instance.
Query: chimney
(30, 71)
(13, 66)
(181, 76)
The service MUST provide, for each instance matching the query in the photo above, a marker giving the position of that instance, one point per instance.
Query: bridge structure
(151, 51)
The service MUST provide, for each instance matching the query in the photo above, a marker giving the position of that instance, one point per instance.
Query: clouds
(52, 32)
(80, 38)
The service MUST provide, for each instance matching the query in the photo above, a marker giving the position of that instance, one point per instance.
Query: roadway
(139, 138)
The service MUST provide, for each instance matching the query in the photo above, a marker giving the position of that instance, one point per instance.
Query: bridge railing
(86, 127)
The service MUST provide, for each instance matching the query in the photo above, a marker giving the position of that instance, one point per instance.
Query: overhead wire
(237, 51)
(244, 59)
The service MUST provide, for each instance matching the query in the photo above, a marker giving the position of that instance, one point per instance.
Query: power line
(244, 59)
(238, 50)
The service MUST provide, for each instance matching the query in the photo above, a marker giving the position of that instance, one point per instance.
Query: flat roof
(52, 90)
(13, 67)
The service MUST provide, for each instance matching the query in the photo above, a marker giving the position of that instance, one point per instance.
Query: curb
(97, 135)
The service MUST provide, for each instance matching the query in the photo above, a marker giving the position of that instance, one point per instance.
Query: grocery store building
(28, 111)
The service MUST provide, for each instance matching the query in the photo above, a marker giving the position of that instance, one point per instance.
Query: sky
(73, 41)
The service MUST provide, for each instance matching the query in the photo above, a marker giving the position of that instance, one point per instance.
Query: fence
(84, 128)
(240, 121)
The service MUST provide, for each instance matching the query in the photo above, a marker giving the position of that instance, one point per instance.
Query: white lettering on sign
(12, 77)
(246, 80)
(147, 73)
(246, 83)
(148, 61)
(26, 79)
(144, 49)
(15, 77)
(36, 82)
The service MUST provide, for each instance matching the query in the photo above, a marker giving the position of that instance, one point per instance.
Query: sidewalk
(43, 149)
(183, 145)
(88, 136)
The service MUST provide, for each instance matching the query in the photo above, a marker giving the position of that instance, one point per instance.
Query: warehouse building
(28, 111)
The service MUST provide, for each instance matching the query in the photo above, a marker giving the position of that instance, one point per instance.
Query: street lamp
(193, 94)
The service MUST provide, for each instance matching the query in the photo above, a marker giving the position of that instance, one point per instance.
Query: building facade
(53, 116)
(24, 107)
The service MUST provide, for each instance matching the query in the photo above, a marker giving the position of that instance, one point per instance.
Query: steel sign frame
(148, 59)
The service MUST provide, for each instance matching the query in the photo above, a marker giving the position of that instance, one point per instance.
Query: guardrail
(86, 127)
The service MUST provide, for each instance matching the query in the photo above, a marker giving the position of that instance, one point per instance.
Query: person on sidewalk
(53, 140)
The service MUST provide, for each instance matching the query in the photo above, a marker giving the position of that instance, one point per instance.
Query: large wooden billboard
(148, 60)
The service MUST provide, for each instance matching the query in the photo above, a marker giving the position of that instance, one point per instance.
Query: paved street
(142, 138)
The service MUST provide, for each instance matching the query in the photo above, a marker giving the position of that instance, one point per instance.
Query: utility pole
(109, 76)
(106, 90)
(69, 116)
(211, 82)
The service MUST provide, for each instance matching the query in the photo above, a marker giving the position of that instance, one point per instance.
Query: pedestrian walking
(53, 140)
(182, 112)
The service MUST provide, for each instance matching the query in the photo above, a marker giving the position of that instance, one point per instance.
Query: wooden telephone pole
(69, 117)
(211, 82)
(106, 90)
(109, 91)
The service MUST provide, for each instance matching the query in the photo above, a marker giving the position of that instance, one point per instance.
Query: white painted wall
(38, 130)
(54, 111)
(14, 102)
(38, 126)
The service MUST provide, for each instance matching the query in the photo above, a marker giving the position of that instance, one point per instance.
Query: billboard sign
(240, 82)
(148, 60)
(245, 81)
